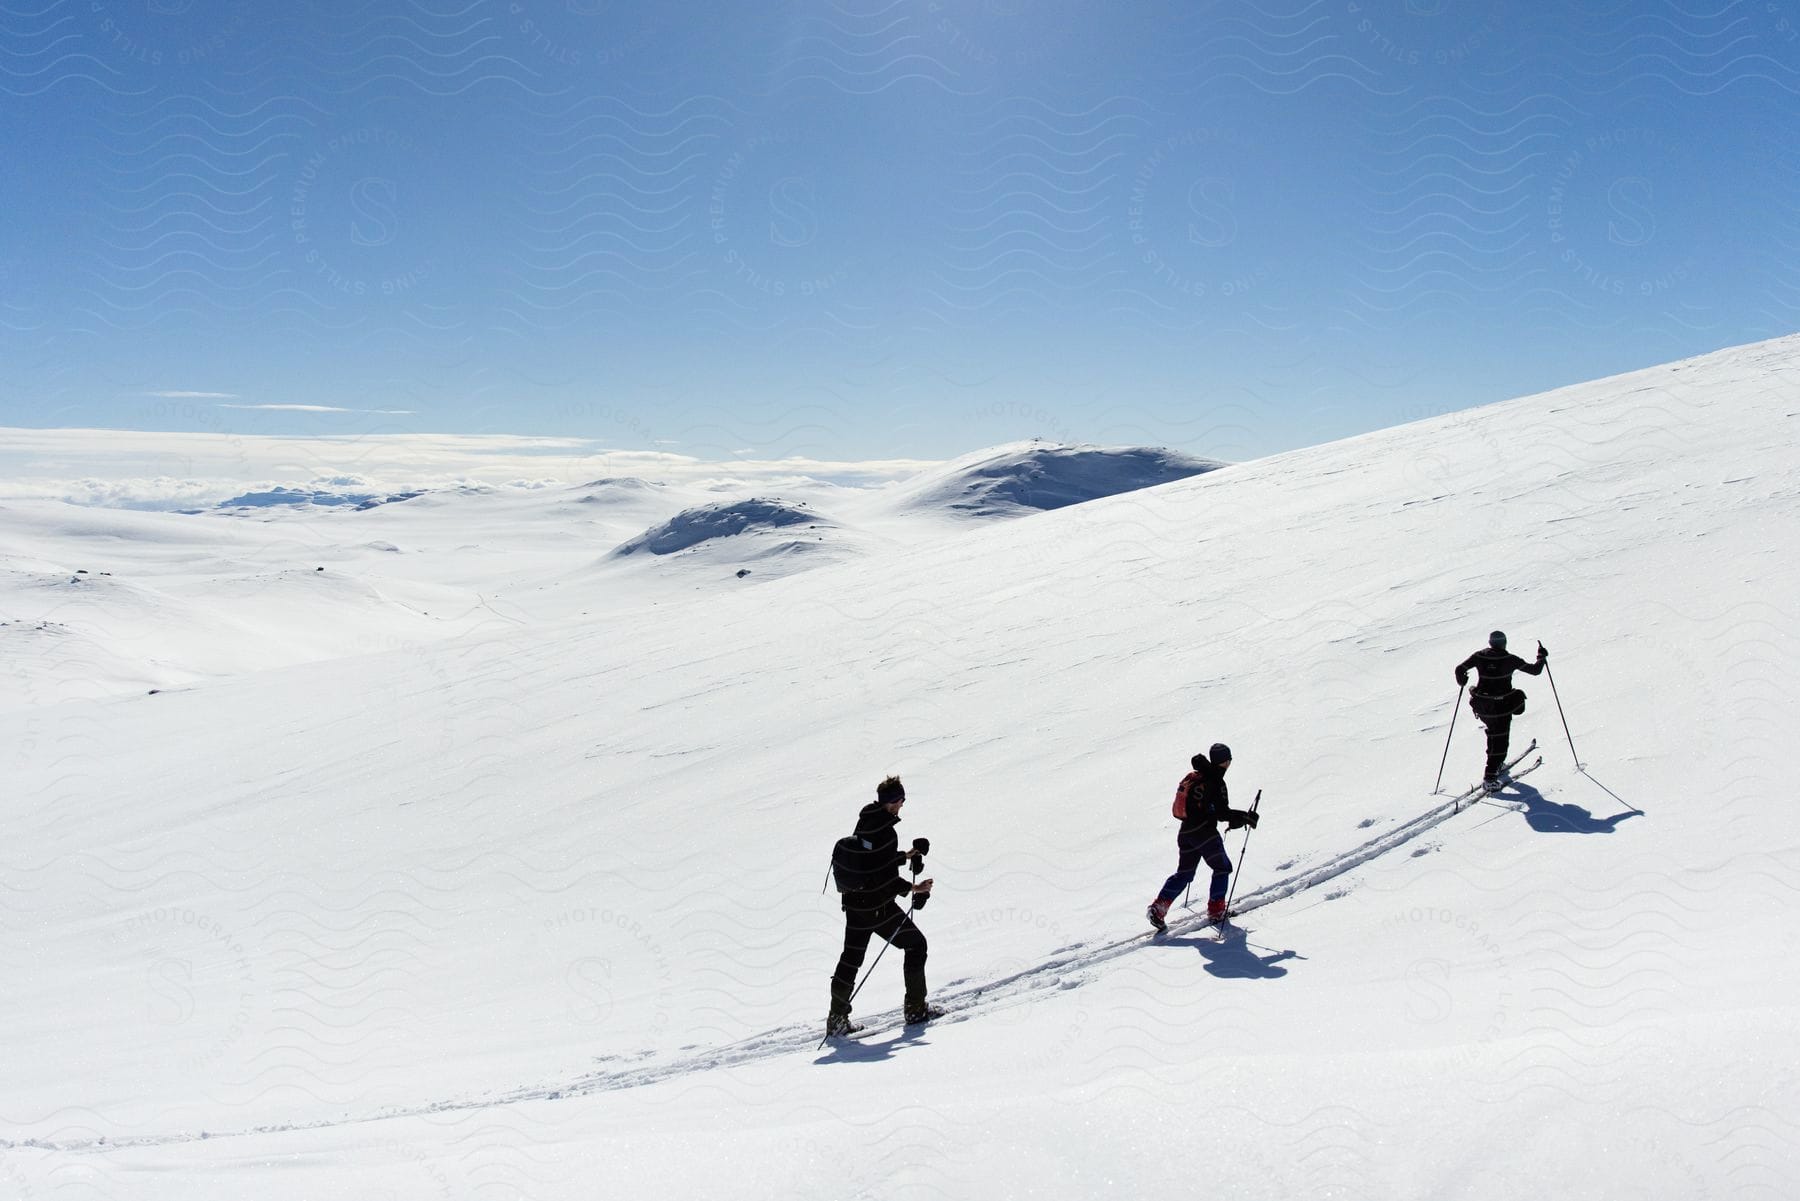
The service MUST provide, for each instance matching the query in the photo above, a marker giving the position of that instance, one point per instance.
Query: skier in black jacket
(1493, 699)
(872, 911)
(1202, 801)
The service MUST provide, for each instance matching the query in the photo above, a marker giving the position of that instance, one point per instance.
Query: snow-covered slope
(96, 602)
(535, 912)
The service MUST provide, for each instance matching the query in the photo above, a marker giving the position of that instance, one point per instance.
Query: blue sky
(901, 229)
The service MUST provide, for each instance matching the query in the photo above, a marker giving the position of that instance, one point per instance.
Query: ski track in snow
(1069, 969)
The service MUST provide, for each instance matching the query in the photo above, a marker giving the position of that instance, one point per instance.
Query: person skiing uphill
(869, 908)
(1201, 802)
(1494, 699)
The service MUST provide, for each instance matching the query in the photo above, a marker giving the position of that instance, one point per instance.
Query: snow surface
(528, 906)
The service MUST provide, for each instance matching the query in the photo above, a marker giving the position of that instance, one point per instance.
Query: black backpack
(856, 866)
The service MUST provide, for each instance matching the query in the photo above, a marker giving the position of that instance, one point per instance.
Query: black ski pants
(1499, 734)
(891, 923)
(1192, 846)
(1496, 713)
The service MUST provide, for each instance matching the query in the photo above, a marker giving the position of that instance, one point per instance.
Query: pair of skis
(877, 1026)
(1219, 927)
(1510, 772)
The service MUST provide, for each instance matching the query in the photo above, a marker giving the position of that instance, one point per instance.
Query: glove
(1234, 818)
(1250, 818)
(921, 846)
(1462, 677)
(1543, 655)
(918, 863)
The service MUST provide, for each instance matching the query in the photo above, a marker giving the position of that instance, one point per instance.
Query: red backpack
(1188, 783)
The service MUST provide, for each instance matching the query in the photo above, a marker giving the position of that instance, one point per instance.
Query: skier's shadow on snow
(1552, 817)
(1233, 958)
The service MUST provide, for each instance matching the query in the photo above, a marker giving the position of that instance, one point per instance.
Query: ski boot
(838, 1023)
(1215, 912)
(919, 1011)
(1159, 908)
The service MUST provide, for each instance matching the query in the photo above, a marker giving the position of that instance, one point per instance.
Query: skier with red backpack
(1201, 802)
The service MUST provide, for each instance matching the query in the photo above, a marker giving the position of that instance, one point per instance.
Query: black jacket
(1209, 801)
(1495, 668)
(876, 826)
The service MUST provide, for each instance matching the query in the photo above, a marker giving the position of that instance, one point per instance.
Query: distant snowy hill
(731, 519)
(319, 497)
(617, 490)
(531, 906)
(1006, 481)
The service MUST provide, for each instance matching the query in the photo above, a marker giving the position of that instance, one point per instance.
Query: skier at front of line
(1494, 699)
(1201, 802)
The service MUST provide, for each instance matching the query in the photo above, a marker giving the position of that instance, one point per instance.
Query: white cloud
(154, 469)
(194, 395)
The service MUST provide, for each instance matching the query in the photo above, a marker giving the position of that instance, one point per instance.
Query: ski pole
(1187, 898)
(1559, 712)
(885, 944)
(1446, 758)
(1240, 863)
